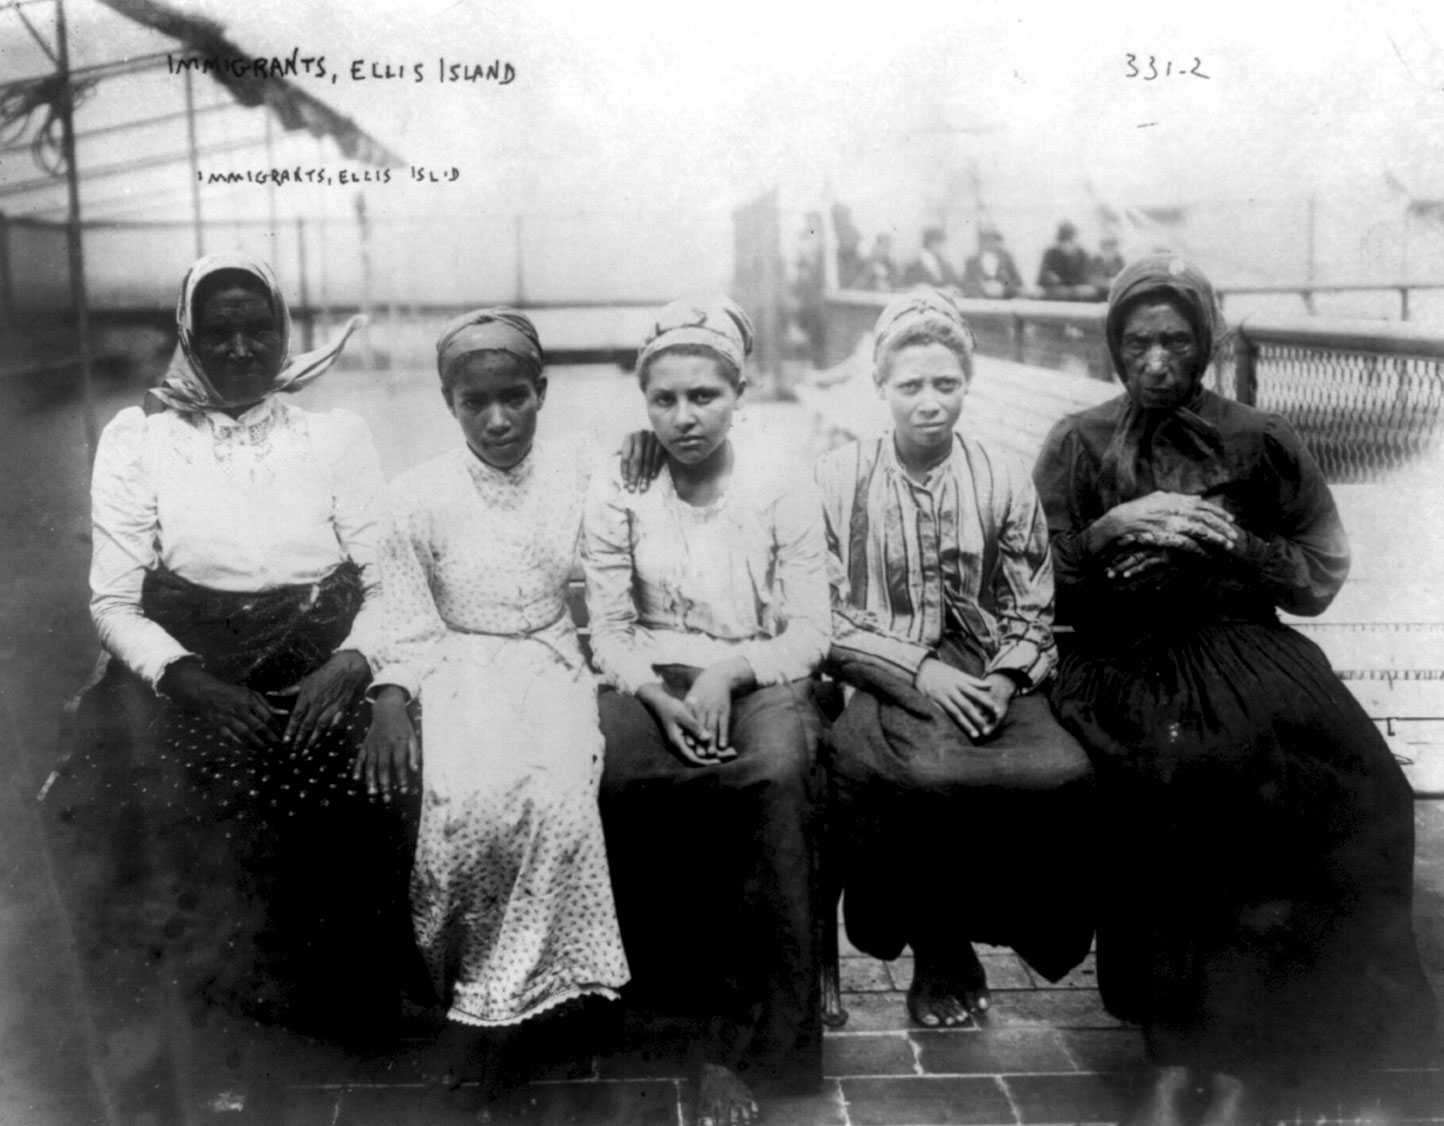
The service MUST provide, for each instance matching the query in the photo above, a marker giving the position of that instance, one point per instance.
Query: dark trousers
(713, 870)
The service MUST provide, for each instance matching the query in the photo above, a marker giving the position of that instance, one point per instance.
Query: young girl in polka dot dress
(511, 900)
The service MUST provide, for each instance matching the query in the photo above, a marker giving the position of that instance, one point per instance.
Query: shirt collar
(221, 422)
(933, 476)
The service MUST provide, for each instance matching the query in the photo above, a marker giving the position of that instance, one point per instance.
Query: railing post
(1245, 368)
(1018, 326)
(7, 285)
(1403, 302)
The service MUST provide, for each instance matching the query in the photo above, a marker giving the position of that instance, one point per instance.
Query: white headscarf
(185, 386)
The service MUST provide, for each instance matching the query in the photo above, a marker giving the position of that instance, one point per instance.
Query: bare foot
(933, 1004)
(970, 982)
(723, 1099)
(1230, 1102)
(946, 992)
(1162, 1103)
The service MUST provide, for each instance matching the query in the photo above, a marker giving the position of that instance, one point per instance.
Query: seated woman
(942, 615)
(510, 896)
(1259, 835)
(235, 588)
(708, 603)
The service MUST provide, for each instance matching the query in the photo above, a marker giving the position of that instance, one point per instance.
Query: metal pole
(1245, 368)
(308, 331)
(194, 155)
(7, 285)
(364, 230)
(79, 302)
(520, 269)
(1313, 225)
(270, 187)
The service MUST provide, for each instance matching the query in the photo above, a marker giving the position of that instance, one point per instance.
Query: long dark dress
(261, 882)
(1260, 835)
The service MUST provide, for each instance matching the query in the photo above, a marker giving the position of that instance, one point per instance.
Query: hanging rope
(21, 103)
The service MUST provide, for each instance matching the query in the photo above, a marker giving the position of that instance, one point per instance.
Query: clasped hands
(977, 704)
(323, 699)
(698, 726)
(1148, 527)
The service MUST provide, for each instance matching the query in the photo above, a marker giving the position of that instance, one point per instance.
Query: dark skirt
(937, 841)
(713, 872)
(261, 882)
(1259, 843)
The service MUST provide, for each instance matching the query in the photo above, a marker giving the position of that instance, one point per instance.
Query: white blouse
(671, 583)
(470, 549)
(277, 497)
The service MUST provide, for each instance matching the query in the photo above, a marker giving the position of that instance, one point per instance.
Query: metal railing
(1367, 396)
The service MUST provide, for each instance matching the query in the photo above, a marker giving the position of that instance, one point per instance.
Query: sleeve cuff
(405, 677)
(156, 669)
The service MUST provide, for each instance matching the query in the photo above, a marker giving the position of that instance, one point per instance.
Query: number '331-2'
(1149, 71)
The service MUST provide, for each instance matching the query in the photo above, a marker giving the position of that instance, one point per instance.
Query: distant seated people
(931, 266)
(1107, 263)
(942, 611)
(1064, 273)
(879, 270)
(991, 272)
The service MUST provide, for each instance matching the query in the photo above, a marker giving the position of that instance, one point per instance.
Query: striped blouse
(963, 552)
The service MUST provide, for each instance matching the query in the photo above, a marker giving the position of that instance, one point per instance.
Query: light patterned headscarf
(716, 323)
(924, 310)
(499, 329)
(185, 386)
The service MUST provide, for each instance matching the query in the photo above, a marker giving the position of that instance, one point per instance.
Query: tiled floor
(1046, 1054)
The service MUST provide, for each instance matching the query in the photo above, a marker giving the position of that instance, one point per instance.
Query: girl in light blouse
(709, 611)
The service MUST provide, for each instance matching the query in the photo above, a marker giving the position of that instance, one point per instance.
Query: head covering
(923, 309)
(185, 387)
(1164, 277)
(717, 323)
(1173, 449)
(499, 329)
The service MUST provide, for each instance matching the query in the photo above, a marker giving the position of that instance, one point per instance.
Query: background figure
(850, 263)
(1107, 263)
(510, 895)
(228, 861)
(1063, 274)
(880, 271)
(1259, 836)
(708, 605)
(931, 266)
(942, 608)
(808, 285)
(991, 272)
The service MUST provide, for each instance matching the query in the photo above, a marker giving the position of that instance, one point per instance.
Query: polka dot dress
(511, 896)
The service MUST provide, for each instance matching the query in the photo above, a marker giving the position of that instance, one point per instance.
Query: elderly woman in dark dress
(227, 861)
(1260, 835)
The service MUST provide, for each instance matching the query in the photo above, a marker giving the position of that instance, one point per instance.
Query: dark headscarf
(185, 386)
(1174, 449)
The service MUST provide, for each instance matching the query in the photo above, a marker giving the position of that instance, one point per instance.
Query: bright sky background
(667, 115)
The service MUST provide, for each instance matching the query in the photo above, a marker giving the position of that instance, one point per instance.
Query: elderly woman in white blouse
(709, 611)
(234, 584)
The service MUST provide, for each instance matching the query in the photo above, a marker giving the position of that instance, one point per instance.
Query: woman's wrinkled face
(496, 400)
(924, 390)
(238, 342)
(690, 403)
(1160, 356)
